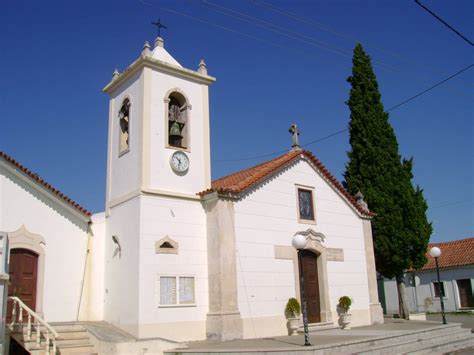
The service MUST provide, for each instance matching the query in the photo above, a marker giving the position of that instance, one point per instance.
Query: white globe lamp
(435, 252)
(299, 242)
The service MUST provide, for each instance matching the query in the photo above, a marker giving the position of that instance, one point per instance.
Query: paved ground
(467, 320)
(321, 338)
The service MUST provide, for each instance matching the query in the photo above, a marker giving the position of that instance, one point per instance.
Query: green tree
(400, 228)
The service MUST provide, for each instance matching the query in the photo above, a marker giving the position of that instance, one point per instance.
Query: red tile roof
(243, 180)
(453, 254)
(35, 177)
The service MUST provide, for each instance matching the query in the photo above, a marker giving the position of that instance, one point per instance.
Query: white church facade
(175, 255)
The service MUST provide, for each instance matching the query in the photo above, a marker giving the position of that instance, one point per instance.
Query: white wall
(268, 217)
(121, 267)
(161, 175)
(124, 175)
(419, 297)
(65, 236)
(92, 305)
(183, 221)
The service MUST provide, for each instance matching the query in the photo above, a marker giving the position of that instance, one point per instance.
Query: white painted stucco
(131, 286)
(25, 203)
(124, 169)
(267, 216)
(161, 175)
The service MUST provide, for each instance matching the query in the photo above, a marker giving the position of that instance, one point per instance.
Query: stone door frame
(24, 239)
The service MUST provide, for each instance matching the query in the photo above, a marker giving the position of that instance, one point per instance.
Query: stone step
(316, 327)
(84, 349)
(62, 335)
(410, 343)
(448, 345)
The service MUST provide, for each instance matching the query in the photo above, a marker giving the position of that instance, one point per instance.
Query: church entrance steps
(73, 338)
(397, 336)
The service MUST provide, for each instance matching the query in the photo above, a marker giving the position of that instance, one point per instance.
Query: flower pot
(345, 320)
(293, 325)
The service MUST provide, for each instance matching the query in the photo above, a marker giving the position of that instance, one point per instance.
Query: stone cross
(295, 132)
(159, 26)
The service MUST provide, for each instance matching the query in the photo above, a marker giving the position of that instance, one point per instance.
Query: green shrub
(345, 303)
(292, 309)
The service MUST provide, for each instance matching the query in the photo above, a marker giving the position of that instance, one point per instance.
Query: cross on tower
(159, 26)
(295, 132)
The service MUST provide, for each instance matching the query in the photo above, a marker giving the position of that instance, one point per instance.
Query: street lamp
(435, 252)
(299, 242)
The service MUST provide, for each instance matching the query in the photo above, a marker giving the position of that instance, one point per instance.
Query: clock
(179, 162)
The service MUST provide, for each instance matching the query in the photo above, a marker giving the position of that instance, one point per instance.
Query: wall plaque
(334, 254)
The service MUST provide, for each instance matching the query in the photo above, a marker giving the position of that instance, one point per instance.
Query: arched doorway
(23, 277)
(311, 285)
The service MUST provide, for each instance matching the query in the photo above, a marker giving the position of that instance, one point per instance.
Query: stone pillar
(223, 320)
(376, 311)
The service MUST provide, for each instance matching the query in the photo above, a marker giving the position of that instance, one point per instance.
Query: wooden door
(465, 293)
(23, 277)
(311, 285)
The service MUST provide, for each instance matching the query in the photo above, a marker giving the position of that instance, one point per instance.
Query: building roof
(241, 181)
(37, 179)
(453, 254)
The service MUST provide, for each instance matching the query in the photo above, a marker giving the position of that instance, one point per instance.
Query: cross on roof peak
(159, 26)
(295, 132)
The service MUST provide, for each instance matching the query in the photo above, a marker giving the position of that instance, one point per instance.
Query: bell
(175, 136)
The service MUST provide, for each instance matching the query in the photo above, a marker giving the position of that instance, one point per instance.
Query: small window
(124, 127)
(438, 287)
(305, 205)
(176, 291)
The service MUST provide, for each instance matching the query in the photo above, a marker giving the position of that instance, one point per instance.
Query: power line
(323, 27)
(444, 22)
(346, 129)
(431, 88)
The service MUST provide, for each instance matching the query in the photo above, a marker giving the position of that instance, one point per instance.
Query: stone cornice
(163, 67)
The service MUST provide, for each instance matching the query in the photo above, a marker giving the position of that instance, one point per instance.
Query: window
(178, 112)
(305, 205)
(437, 288)
(124, 124)
(176, 290)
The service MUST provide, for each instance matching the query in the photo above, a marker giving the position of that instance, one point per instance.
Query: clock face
(179, 162)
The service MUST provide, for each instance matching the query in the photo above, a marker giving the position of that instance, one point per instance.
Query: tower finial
(295, 132)
(202, 67)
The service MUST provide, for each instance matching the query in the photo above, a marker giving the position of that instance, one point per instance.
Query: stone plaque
(334, 254)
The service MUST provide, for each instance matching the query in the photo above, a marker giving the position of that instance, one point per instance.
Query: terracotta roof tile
(453, 254)
(243, 180)
(45, 184)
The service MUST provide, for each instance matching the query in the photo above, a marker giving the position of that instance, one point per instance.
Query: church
(175, 255)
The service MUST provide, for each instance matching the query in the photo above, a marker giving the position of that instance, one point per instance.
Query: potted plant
(292, 313)
(345, 304)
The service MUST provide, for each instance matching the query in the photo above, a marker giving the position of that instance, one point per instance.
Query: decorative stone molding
(166, 245)
(312, 235)
(24, 239)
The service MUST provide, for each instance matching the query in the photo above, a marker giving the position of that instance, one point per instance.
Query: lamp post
(435, 252)
(299, 243)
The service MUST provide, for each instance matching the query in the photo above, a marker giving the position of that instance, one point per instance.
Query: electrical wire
(444, 22)
(346, 129)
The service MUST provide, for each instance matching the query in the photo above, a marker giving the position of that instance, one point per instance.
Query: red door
(311, 285)
(23, 277)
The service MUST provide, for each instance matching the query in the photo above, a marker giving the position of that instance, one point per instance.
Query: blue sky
(56, 56)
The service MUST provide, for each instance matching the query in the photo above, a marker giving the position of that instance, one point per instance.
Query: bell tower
(158, 141)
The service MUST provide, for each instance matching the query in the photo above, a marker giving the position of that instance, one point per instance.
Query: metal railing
(34, 320)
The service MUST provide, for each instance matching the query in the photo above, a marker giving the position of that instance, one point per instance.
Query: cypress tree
(400, 229)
